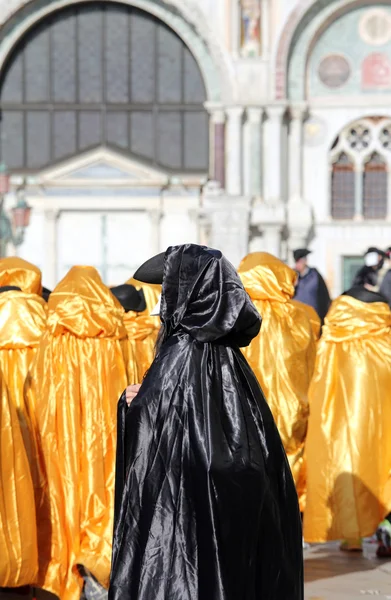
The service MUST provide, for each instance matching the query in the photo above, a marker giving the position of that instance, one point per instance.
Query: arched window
(375, 188)
(343, 188)
(102, 73)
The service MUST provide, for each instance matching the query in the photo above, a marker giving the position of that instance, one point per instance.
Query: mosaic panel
(352, 56)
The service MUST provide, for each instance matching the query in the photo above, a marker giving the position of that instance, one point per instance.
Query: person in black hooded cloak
(206, 507)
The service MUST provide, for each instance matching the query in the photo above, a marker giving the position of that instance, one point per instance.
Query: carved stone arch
(183, 16)
(303, 27)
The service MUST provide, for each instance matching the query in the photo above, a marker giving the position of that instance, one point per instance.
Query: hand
(131, 393)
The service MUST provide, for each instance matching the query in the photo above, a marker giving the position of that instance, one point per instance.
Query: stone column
(268, 220)
(217, 142)
(50, 264)
(272, 152)
(233, 163)
(296, 152)
(253, 153)
(155, 217)
(299, 211)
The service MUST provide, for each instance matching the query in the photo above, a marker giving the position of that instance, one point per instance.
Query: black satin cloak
(206, 508)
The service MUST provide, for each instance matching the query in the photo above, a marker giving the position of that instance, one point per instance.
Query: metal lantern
(21, 214)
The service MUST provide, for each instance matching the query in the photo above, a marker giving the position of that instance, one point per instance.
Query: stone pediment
(101, 168)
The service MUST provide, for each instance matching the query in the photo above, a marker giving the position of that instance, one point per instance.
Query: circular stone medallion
(334, 70)
(375, 27)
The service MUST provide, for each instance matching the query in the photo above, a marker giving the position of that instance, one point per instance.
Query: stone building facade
(131, 125)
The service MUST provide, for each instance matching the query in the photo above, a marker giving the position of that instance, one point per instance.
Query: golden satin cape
(80, 373)
(22, 274)
(142, 330)
(22, 322)
(313, 316)
(349, 442)
(282, 356)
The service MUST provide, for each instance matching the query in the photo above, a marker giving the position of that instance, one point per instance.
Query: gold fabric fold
(348, 444)
(142, 330)
(79, 375)
(282, 356)
(22, 322)
(313, 316)
(20, 273)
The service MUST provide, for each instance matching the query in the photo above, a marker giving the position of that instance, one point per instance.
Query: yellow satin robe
(80, 373)
(142, 332)
(22, 274)
(349, 442)
(22, 322)
(282, 356)
(313, 316)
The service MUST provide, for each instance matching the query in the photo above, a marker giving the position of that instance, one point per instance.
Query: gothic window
(361, 156)
(343, 188)
(375, 187)
(102, 73)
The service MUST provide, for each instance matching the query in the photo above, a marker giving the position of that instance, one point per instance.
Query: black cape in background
(206, 508)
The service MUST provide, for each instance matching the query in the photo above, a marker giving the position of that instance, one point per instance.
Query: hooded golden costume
(348, 443)
(283, 354)
(18, 272)
(313, 316)
(80, 373)
(22, 323)
(142, 330)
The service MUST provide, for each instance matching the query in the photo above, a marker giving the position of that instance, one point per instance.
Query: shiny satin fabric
(206, 508)
(79, 373)
(142, 332)
(313, 316)
(348, 443)
(283, 355)
(18, 531)
(22, 323)
(20, 273)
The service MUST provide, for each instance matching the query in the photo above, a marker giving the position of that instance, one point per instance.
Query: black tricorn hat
(9, 288)
(129, 297)
(374, 249)
(152, 270)
(300, 253)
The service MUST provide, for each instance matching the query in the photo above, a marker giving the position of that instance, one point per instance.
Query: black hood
(202, 295)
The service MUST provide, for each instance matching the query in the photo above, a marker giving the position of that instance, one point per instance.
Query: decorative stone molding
(306, 12)
(228, 218)
(183, 16)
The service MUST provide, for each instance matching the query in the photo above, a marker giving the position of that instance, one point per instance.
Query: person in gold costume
(348, 443)
(143, 329)
(282, 356)
(17, 272)
(313, 316)
(22, 322)
(79, 374)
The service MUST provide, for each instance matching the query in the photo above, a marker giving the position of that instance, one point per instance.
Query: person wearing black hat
(384, 278)
(311, 288)
(368, 274)
(141, 329)
(206, 506)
